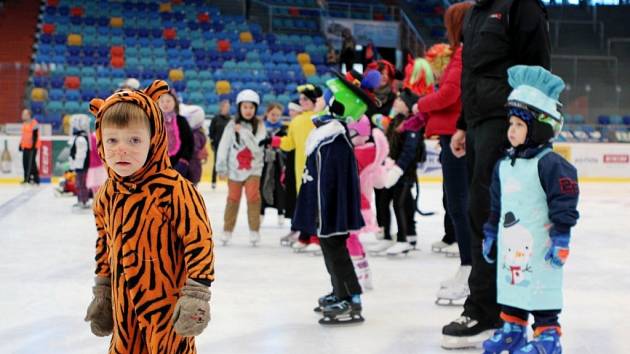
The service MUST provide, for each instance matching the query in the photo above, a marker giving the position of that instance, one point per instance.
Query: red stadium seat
(117, 62)
(223, 45)
(169, 33)
(294, 11)
(48, 28)
(72, 82)
(203, 17)
(117, 51)
(76, 11)
(53, 3)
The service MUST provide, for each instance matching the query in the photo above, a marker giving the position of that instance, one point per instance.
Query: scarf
(272, 127)
(172, 133)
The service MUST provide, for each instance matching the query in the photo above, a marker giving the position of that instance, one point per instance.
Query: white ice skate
(380, 234)
(438, 246)
(254, 238)
(451, 250)
(455, 288)
(378, 248)
(399, 248)
(280, 220)
(314, 249)
(226, 237)
(298, 246)
(290, 239)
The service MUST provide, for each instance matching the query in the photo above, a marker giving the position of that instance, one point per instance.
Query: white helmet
(248, 96)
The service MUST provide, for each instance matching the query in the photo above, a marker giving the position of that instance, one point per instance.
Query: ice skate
(463, 272)
(547, 342)
(298, 246)
(313, 248)
(280, 220)
(448, 295)
(509, 338)
(380, 234)
(254, 238)
(226, 237)
(341, 313)
(438, 246)
(398, 248)
(378, 248)
(324, 301)
(466, 332)
(289, 239)
(451, 250)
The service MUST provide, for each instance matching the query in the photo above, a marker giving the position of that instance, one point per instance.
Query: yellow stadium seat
(246, 37)
(116, 22)
(303, 58)
(67, 124)
(309, 69)
(166, 7)
(75, 39)
(176, 75)
(39, 94)
(223, 87)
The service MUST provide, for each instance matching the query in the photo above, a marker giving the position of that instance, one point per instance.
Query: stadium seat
(223, 87)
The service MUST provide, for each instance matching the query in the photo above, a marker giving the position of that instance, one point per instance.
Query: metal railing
(265, 13)
(350, 8)
(615, 40)
(410, 37)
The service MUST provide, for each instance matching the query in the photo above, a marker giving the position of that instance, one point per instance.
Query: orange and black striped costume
(153, 234)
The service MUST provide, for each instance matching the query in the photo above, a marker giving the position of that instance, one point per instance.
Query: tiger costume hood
(157, 159)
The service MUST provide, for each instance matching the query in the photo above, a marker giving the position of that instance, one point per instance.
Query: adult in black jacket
(497, 34)
(217, 125)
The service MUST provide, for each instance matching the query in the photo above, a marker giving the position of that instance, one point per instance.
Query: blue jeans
(455, 177)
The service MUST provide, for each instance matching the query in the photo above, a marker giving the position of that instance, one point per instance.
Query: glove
(393, 175)
(265, 142)
(490, 237)
(99, 313)
(276, 141)
(559, 251)
(192, 312)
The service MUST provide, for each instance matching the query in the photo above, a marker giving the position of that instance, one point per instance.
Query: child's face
(400, 106)
(306, 103)
(274, 115)
(248, 110)
(166, 103)
(26, 115)
(517, 132)
(293, 113)
(126, 149)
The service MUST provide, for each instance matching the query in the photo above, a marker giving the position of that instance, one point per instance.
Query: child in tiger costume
(154, 250)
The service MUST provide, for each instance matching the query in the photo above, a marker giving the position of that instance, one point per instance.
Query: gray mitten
(99, 313)
(192, 312)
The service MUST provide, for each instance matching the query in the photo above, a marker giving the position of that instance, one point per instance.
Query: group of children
(335, 152)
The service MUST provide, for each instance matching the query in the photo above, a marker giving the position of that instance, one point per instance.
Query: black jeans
(400, 195)
(214, 165)
(541, 318)
(485, 144)
(455, 177)
(449, 230)
(29, 162)
(339, 265)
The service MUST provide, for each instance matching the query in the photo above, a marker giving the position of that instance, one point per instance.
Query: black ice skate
(324, 301)
(342, 313)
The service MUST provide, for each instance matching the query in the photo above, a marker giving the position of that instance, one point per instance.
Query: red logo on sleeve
(568, 186)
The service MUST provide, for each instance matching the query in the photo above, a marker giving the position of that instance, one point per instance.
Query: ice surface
(263, 297)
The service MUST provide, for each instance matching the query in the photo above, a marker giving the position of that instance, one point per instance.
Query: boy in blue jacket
(534, 195)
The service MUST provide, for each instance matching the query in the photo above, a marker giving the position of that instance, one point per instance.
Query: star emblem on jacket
(245, 158)
(306, 177)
